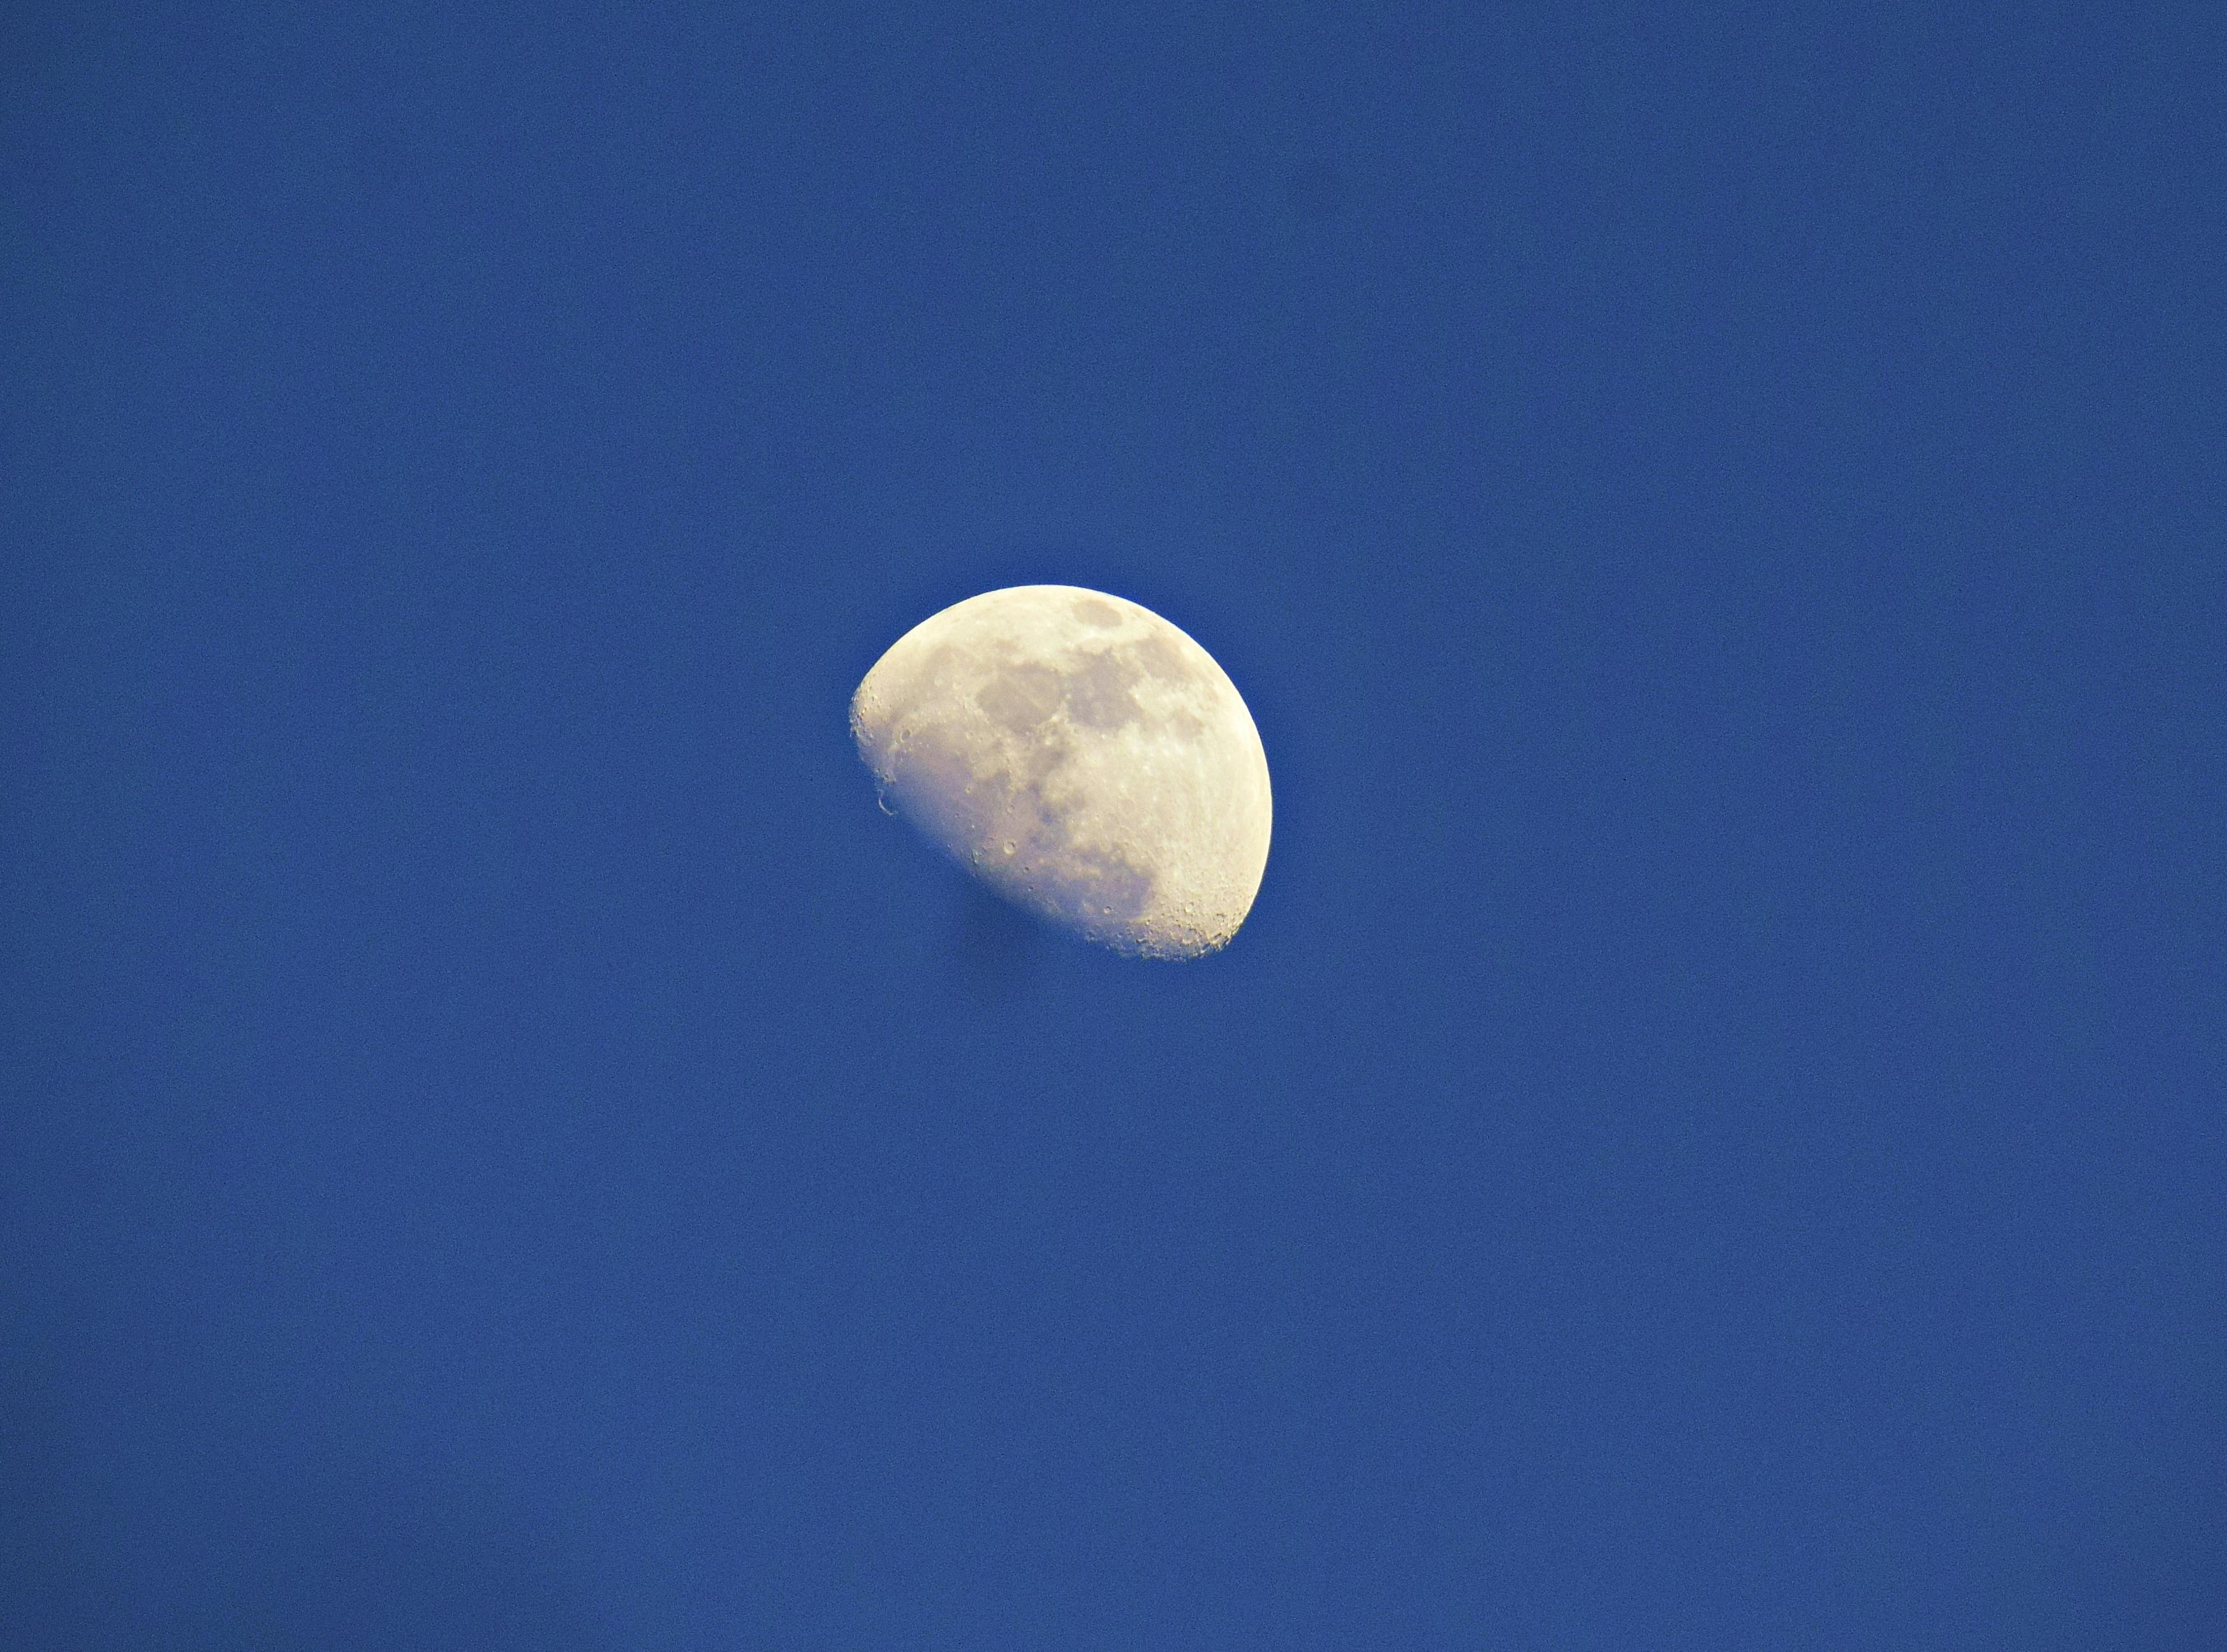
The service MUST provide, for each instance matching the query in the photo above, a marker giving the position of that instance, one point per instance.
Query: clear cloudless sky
(1713, 1136)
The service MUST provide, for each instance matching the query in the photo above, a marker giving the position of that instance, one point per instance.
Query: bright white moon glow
(1083, 756)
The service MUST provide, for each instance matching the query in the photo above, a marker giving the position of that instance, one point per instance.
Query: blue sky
(1711, 1137)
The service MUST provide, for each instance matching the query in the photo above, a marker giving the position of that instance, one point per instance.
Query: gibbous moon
(1083, 757)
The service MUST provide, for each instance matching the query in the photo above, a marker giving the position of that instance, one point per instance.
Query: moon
(1083, 757)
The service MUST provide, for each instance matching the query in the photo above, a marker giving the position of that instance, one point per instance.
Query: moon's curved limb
(1083, 756)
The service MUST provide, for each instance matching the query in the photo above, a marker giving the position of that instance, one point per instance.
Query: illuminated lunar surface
(1083, 757)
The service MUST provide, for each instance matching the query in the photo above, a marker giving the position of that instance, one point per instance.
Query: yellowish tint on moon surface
(1083, 757)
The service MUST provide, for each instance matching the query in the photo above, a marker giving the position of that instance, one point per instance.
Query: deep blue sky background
(1713, 1136)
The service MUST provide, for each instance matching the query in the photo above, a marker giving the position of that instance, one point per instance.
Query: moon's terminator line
(1082, 757)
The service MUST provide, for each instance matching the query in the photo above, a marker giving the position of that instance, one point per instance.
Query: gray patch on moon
(1097, 611)
(1022, 697)
(1097, 695)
